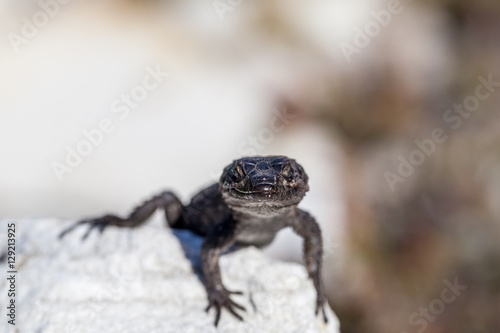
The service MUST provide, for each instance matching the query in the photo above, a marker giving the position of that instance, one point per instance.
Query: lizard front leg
(219, 240)
(306, 226)
(166, 200)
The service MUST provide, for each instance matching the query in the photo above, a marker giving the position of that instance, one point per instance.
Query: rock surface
(140, 281)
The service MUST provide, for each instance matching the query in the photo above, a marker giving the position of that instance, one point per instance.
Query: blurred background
(391, 107)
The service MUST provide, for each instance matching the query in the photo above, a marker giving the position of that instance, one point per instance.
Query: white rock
(140, 281)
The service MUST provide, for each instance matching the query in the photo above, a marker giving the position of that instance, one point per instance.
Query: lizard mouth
(262, 203)
(258, 195)
(262, 195)
(269, 192)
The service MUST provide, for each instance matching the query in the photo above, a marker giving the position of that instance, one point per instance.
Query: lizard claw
(219, 299)
(235, 292)
(320, 306)
(99, 223)
(93, 224)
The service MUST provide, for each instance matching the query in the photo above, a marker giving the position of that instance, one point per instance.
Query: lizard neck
(262, 211)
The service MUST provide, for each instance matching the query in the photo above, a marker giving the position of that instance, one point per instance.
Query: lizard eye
(287, 171)
(238, 173)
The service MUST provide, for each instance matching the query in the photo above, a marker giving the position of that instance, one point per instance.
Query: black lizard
(255, 198)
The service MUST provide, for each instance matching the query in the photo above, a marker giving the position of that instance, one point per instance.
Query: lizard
(254, 199)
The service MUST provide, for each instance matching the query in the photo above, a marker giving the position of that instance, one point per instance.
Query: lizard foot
(99, 223)
(220, 298)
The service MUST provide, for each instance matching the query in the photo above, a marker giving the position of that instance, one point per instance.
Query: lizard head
(263, 181)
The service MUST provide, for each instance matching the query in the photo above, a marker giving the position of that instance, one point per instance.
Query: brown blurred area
(440, 224)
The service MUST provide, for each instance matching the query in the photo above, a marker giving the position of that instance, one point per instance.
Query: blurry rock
(140, 281)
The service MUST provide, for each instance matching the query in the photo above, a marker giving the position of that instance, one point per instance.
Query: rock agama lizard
(255, 198)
